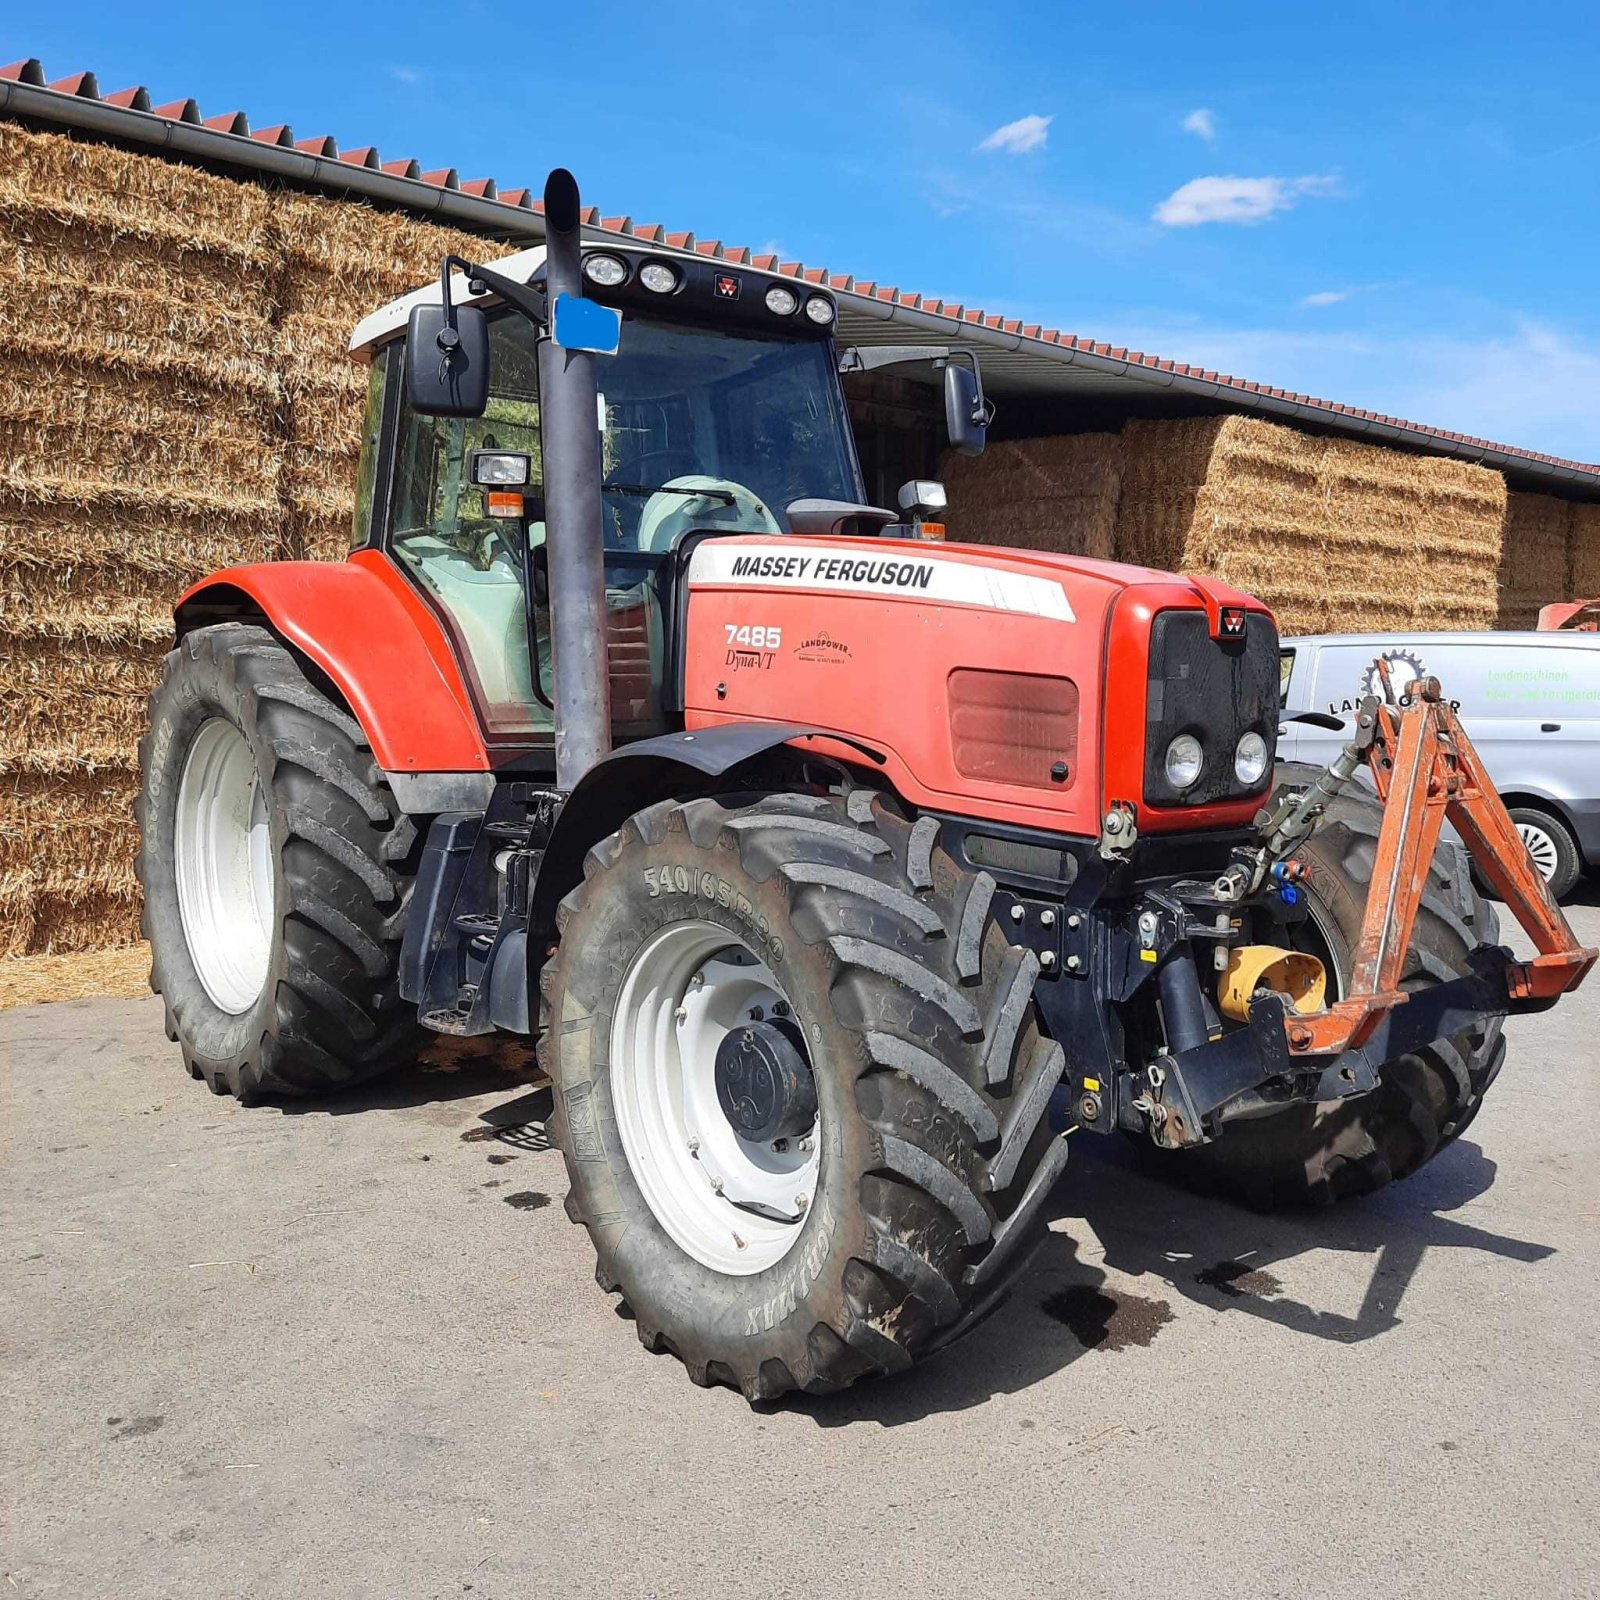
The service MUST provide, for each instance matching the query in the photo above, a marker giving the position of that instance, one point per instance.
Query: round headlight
(819, 310)
(1184, 759)
(607, 271)
(1250, 759)
(782, 302)
(658, 277)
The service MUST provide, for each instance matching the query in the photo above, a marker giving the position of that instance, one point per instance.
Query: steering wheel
(650, 468)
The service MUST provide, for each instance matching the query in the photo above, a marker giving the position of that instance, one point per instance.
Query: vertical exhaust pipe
(570, 437)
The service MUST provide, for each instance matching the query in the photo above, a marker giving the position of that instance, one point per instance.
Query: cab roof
(379, 326)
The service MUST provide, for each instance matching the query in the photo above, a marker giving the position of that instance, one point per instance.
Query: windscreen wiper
(667, 488)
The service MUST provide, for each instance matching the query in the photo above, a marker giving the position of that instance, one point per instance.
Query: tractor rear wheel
(1317, 1154)
(799, 1086)
(276, 869)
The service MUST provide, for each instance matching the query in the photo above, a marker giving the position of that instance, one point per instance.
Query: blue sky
(1394, 206)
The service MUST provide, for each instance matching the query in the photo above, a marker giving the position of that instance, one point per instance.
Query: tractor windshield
(717, 428)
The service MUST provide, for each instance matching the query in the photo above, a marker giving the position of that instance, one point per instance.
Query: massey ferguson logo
(1232, 621)
(726, 286)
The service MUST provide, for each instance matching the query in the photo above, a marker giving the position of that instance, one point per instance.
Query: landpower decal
(952, 582)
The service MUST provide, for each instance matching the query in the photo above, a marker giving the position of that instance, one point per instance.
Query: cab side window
(472, 565)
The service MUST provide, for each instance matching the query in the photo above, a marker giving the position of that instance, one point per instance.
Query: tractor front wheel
(276, 870)
(798, 1086)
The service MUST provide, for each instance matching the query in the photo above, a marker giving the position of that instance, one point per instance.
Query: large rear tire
(1317, 1154)
(276, 869)
(932, 1145)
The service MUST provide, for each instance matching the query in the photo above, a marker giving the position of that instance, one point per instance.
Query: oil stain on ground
(1235, 1279)
(133, 1427)
(527, 1200)
(1099, 1319)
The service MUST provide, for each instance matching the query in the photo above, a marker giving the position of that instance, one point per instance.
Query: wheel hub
(764, 1086)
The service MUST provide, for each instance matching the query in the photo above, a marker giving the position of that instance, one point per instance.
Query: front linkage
(1425, 771)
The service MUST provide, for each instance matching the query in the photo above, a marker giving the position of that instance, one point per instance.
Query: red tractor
(837, 871)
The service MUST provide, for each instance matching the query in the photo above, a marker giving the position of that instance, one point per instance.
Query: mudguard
(363, 625)
(638, 775)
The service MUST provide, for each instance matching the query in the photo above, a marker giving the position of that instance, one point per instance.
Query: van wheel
(1550, 843)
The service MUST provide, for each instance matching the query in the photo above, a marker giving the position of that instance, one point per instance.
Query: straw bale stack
(139, 446)
(1536, 558)
(1585, 552)
(1333, 534)
(1037, 494)
(1164, 467)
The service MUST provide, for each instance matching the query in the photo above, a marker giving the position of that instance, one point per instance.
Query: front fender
(673, 766)
(364, 626)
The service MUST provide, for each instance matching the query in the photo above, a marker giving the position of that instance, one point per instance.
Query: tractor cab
(720, 410)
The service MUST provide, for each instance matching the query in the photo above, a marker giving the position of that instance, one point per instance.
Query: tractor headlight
(1250, 759)
(1184, 760)
(782, 302)
(607, 271)
(820, 310)
(658, 277)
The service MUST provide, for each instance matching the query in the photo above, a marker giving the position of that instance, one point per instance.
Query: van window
(1285, 672)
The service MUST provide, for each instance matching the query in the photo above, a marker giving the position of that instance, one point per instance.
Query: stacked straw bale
(175, 396)
(1536, 557)
(1585, 552)
(138, 448)
(1333, 534)
(1038, 494)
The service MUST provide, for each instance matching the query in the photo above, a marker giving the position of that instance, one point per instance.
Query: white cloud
(406, 75)
(1235, 199)
(1019, 137)
(1202, 124)
(1326, 297)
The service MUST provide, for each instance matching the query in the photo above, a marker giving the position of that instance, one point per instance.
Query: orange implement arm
(1426, 770)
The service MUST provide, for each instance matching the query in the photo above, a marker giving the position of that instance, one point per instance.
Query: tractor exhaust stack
(572, 474)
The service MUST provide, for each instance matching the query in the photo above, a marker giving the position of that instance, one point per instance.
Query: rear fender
(367, 629)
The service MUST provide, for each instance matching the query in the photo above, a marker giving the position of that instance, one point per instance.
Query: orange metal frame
(1426, 770)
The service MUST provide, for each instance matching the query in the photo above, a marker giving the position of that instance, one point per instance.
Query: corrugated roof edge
(512, 214)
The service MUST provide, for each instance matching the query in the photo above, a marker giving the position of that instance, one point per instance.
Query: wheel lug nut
(800, 1202)
(680, 1016)
(694, 1145)
(716, 1186)
(756, 1013)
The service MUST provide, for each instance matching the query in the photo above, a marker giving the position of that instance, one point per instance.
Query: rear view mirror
(447, 368)
(966, 413)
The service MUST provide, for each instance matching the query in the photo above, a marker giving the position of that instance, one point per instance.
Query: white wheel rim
(222, 855)
(1541, 847)
(685, 991)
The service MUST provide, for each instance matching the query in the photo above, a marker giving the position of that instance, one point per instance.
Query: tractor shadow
(445, 1070)
(1173, 1246)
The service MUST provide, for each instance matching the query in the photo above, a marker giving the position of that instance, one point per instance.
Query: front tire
(276, 869)
(1550, 843)
(931, 1084)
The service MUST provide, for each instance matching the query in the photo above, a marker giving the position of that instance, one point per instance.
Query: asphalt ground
(356, 1349)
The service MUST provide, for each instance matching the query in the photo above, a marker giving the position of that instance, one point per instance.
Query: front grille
(1215, 689)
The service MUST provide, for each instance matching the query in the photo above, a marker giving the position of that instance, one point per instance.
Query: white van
(1530, 703)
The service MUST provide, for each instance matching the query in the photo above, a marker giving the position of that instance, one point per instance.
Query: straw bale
(1585, 552)
(50, 178)
(1334, 535)
(1164, 466)
(340, 256)
(1038, 494)
(1536, 557)
(66, 859)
